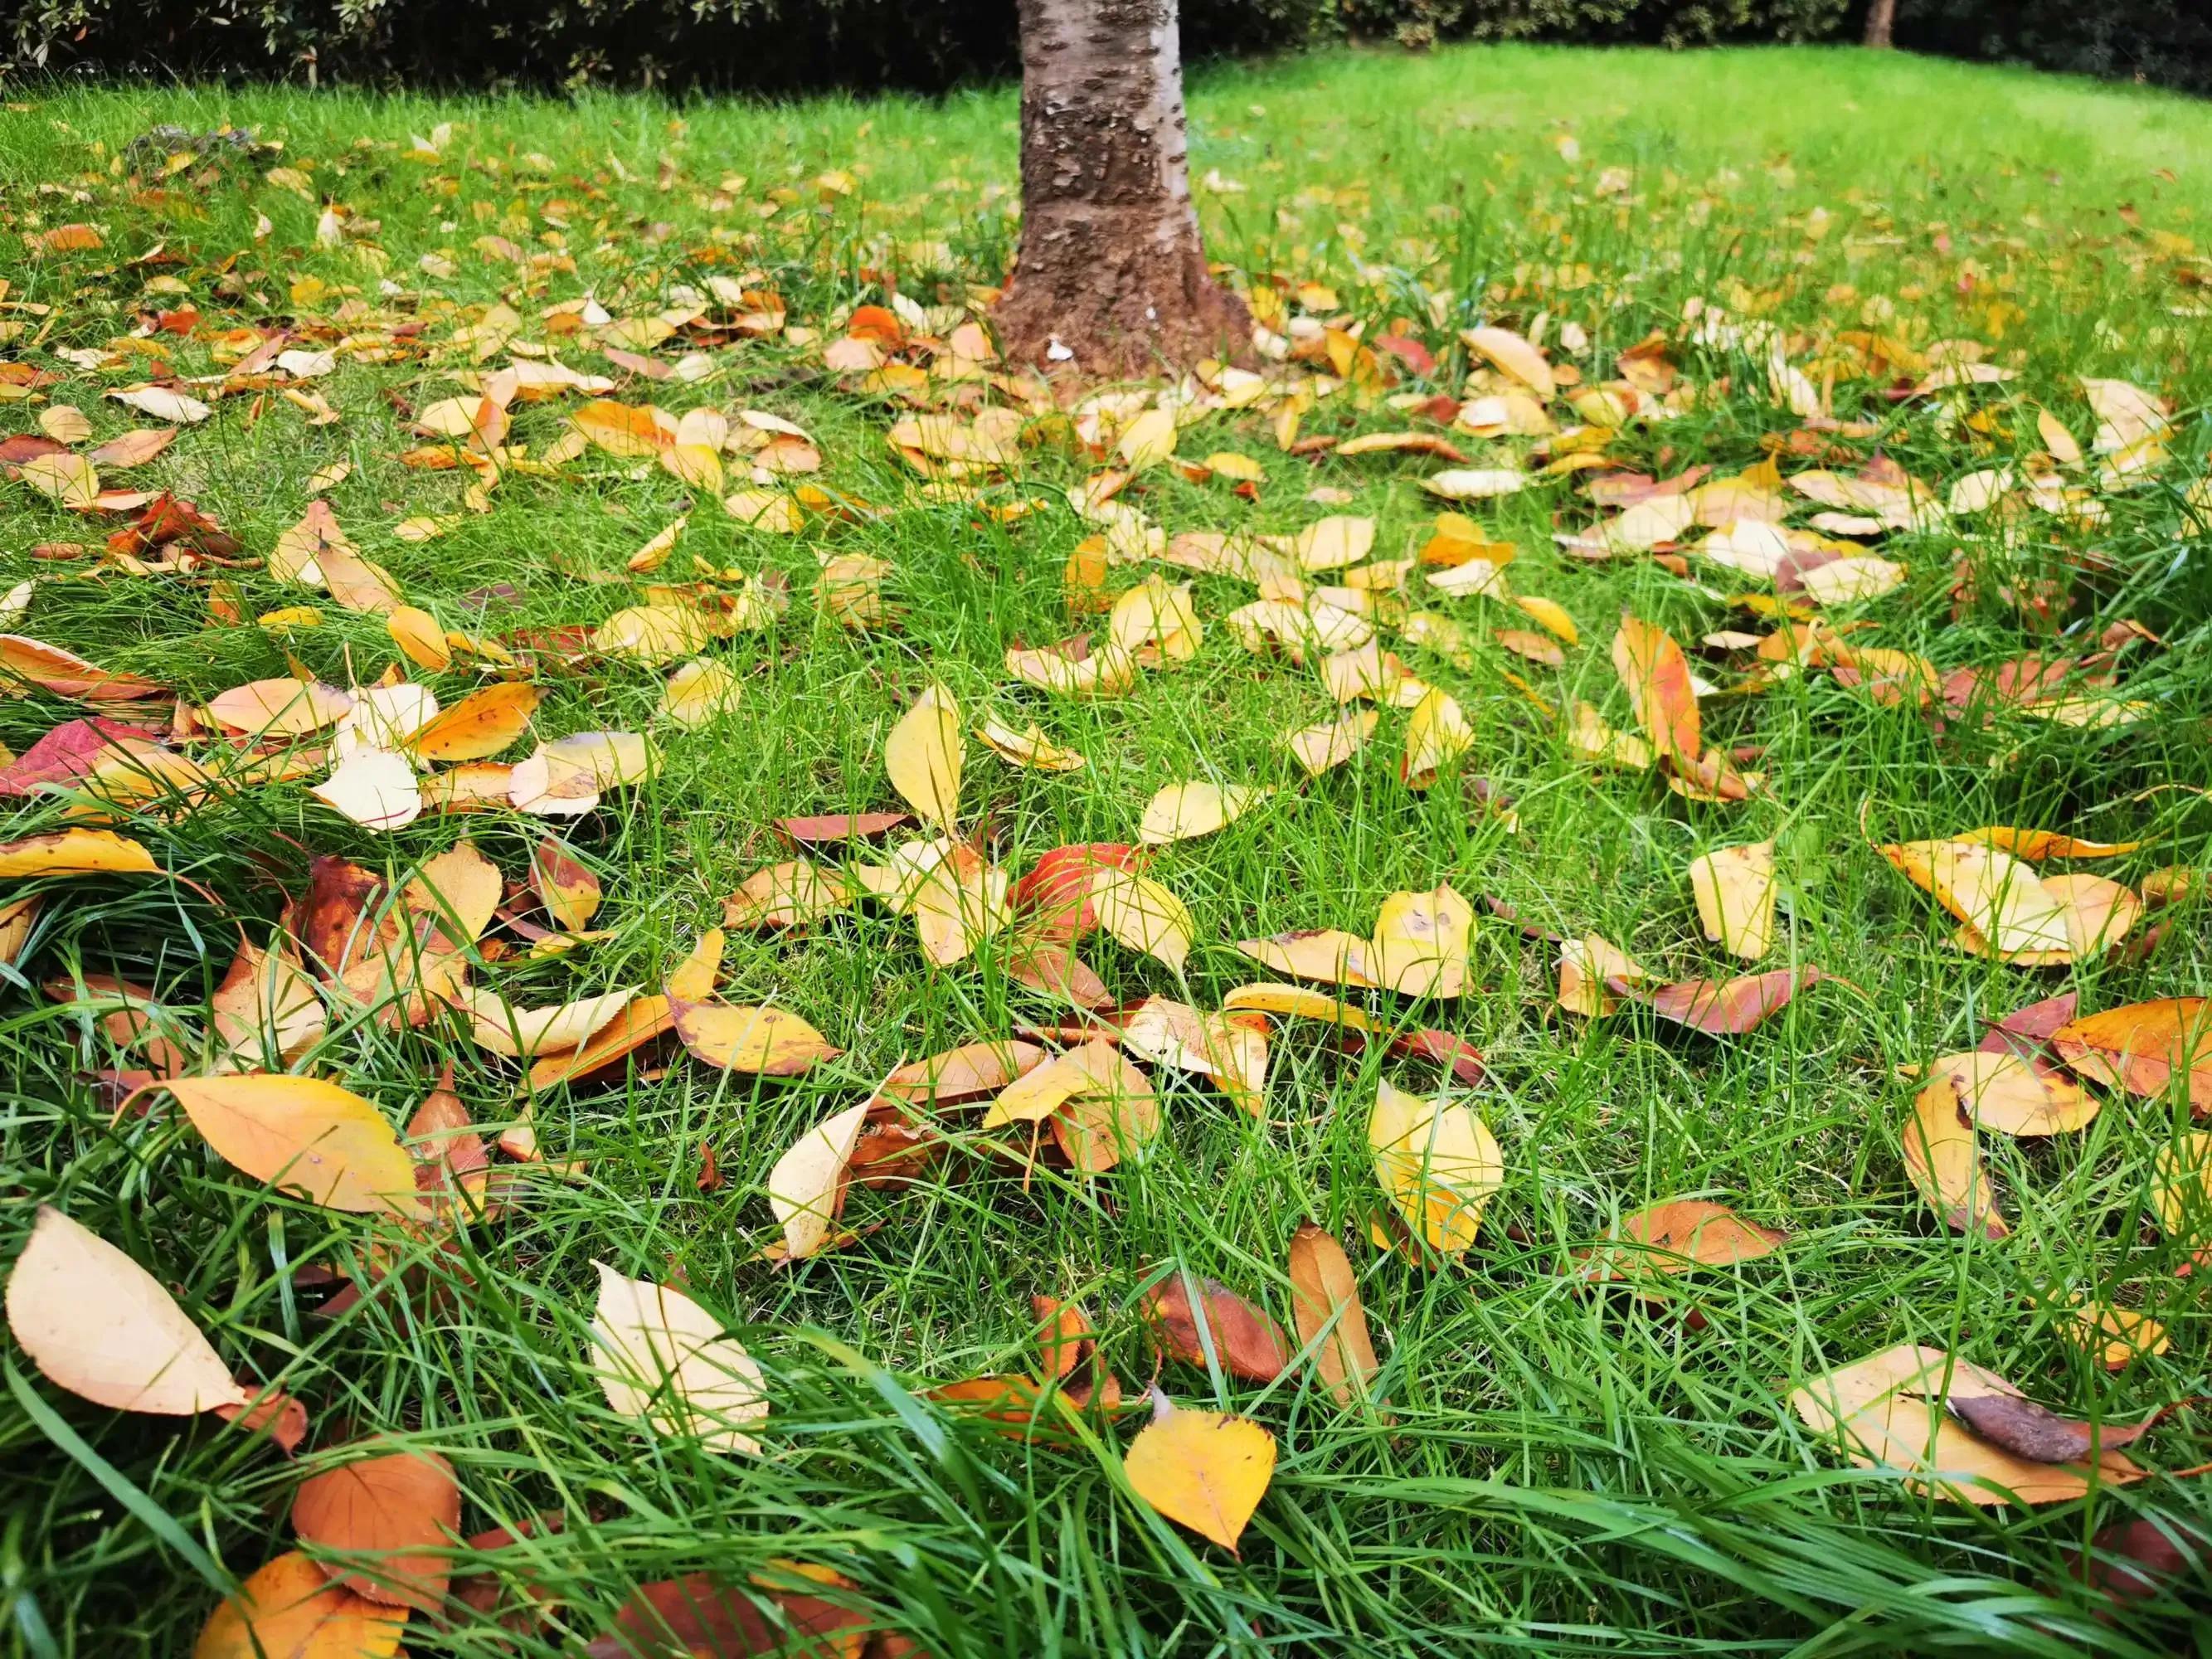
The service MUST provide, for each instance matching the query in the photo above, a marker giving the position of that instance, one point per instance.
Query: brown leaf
(289, 1607)
(1053, 968)
(2148, 1549)
(2040, 1435)
(1456, 1052)
(403, 1507)
(66, 674)
(1325, 1296)
(569, 892)
(958, 1075)
(698, 1615)
(1682, 1234)
(1246, 1342)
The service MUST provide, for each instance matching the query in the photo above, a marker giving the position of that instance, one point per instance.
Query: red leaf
(1059, 885)
(65, 754)
(1456, 1052)
(1721, 1008)
(1409, 351)
(697, 1614)
(24, 446)
(275, 1414)
(831, 829)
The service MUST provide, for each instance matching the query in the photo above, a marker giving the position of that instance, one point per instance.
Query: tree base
(1115, 292)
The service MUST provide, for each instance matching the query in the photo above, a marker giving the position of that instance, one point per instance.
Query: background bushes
(778, 46)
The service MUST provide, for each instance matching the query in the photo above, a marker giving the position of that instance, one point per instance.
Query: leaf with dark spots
(836, 828)
(2041, 1434)
(1720, 1008)
(1446, 1049)
(331, 929)
(1248, 1343)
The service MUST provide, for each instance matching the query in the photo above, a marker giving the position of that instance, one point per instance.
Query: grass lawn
(1561, 1467)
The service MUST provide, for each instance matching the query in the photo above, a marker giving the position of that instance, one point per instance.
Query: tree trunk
(1111, 278)
(1881, 20)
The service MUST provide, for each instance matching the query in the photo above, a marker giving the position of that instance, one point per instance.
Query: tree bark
(1882, 20)
(1110, 278)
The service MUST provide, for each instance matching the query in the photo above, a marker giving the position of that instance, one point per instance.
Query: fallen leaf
(525, 1033)
(1734, 889)
(2039, 1434)
(665, 1361)
(403, 1508)
(1245, 1341)
(699, 693)
(1420, 942)
(1681, 1236)
(376, 788)
(1512, 354)
(2005, 1093)
(766, 1040)
(1330, 744)
(1326, 1307)
(74, 852)
(305, 1134)
(569, 892)
(1437, 732)
(65, 479)
(67, 675)
(479, 726)
(1184, 811)
(807, 1183)
(639, 1024)
(830, 829)
(1652, 667)
(2140, 1047)
(95, 1322)
(791, 893)
(1204, 1470)
(924, 756)
(1326, 955)
(1720, 1008)
(1142, 915)
(289, 1609)
(1437, 1162)
(1942, 1157)
(283, 708)
(1992, 892)
(163, 403)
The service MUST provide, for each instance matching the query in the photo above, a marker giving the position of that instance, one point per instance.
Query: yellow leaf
(1420, 947)
(418, 636)
(98, 1324)
(283, 707)
(1148, 439)
(1027, 747)
(289, 1609)
(1942, 1160)
(1437, 734)
(767, 1041)
(75, 853)
(650, 634)
(1734, 889)
(698, 693)
(1203, 1470)
(1438, 1162)
(480, 725)
(807, 1183)
(668, 1364)
(66, 480)
(1512, 354)
(924, 756)
(1142, 915)
(300, 1133)
(525, 1033)
(1183, 811)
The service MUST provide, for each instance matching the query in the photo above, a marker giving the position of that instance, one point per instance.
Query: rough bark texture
(1882, 21)
(1111, 277)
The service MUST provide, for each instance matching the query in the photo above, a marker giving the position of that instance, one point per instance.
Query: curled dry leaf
(305, 1135)
(1027, 747)
(402, 1509)
(2141, 1047)
(1945, 1164)
(2039, 1434)
(664, 1360)
(1734, 889)
(1204, 1470)
(2036, 845)
(807, 1184)
(525, 1033)
(1888, 1411)
(290, 1609)
(1217, 1322)
(924, 756)
(1437, 1162)
(1326, 1307)
(95, 1322)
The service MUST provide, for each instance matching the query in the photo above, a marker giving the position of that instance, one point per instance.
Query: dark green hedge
(926, 44)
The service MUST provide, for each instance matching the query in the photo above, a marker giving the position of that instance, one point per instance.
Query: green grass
(1567, 1472)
